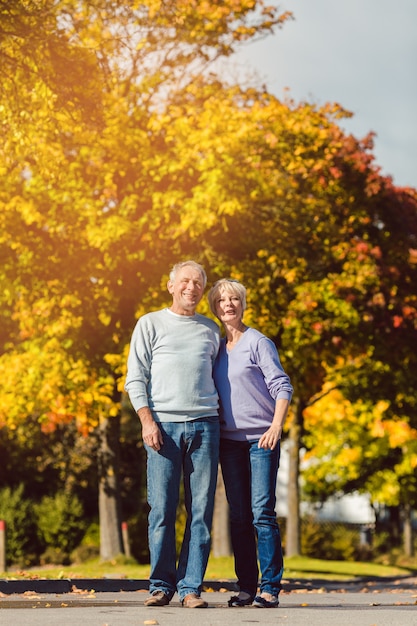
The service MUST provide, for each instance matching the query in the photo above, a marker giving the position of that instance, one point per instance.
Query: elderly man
(170, 385)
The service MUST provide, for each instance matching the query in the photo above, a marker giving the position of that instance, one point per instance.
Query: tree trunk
(111, 539)
(221, 545)
(395, 525)
(293, 534)
(408, 531)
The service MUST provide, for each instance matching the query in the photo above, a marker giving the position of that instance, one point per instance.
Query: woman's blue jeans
(190, 452)
(250, 478)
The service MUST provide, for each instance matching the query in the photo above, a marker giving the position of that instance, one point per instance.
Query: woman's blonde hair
(230, 286)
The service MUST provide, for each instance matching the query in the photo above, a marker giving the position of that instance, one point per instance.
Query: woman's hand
(270, 438)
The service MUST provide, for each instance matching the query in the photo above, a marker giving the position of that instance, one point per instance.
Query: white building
(352, 509)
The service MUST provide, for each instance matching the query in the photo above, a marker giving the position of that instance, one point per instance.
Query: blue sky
(359, 53)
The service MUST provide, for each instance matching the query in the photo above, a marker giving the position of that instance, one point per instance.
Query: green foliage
(47, 461)
(61, 524)
(333, 542)
(22, 546)
(138, 535)
(89, 547)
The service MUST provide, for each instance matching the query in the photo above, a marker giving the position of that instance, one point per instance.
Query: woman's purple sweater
(249, 379)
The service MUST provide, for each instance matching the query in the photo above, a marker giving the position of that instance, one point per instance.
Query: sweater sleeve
(139, 365)
(277, 381)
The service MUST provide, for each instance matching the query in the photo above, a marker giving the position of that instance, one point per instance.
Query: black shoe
(262, 603)
(239, 601)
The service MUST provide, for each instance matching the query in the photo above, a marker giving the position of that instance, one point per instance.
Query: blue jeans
(250, 478)
(191, 451)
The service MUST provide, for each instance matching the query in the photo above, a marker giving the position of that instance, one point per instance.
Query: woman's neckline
(230, 345)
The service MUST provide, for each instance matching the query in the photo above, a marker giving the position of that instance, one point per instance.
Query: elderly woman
(255, 394)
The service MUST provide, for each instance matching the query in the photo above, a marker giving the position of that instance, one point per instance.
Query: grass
(303, 567)
(220, 568)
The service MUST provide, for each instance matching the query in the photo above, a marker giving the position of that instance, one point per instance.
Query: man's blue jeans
(191, 451)
(250, 478)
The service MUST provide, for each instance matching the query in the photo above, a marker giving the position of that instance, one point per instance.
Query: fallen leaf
(75, 589)
(31, 594)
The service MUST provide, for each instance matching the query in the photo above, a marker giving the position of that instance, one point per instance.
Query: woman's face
(229, 308)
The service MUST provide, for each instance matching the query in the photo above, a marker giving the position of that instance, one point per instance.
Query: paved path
(302, 603)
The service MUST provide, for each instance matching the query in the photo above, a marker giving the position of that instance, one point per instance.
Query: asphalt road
(302, 603)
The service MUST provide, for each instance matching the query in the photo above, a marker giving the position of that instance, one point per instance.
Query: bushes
(51, 528)
(89, 548)
(22, 544)
(61, 526)
(332, 541)
(138, 535)
(55, 531)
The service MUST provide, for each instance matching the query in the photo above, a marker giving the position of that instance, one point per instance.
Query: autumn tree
(91, 206)
(123, 154)
(299, 211)
(363, 447)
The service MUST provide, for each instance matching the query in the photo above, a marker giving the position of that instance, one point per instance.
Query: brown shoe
(158, 598)
(193, 601)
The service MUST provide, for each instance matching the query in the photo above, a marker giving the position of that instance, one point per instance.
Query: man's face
(187, 290)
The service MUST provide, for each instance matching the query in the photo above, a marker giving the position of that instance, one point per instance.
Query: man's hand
(151, 433)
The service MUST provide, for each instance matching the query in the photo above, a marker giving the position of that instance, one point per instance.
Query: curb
(100, 585)
(115, 585)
